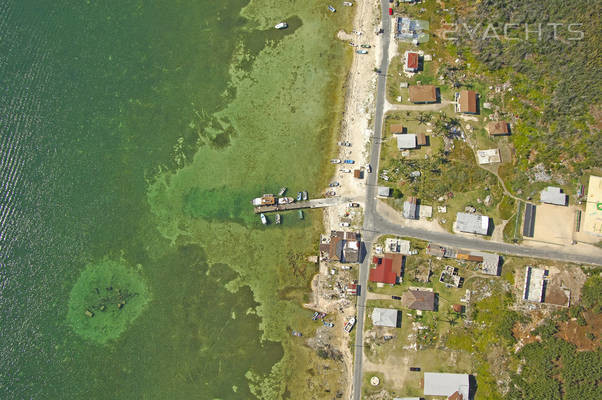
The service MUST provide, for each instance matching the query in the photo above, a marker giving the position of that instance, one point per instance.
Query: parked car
(368, 168)
(390, 11)
(396, 297)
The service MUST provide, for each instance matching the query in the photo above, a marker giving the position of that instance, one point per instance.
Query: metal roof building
(407, 141)
(385, 317)
(443, 384)
(472, 223)
(553, 195)
(491, 262)
(384, 191)
(410, 210)
(534, 287)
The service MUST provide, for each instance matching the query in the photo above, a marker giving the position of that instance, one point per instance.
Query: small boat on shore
(299, 196)
(347, 3)
(335, 161)
(305, 195)
(264, 219)
(365, 46)
(349, 325)
(281, 25)
(361, 51)
(295, 333)
(282, 191)
(300, 214)
(277, 218)
(286, 200)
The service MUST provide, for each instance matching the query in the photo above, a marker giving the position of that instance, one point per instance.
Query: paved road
(383, 226)
(370, 203)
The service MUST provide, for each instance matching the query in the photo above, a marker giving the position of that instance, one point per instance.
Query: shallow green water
(138, 131)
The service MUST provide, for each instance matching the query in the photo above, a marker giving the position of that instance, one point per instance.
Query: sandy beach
(356, 128)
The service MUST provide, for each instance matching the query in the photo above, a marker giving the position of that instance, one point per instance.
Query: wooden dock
(299, 205)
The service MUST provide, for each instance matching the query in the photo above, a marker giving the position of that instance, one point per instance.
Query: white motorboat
(281, 25)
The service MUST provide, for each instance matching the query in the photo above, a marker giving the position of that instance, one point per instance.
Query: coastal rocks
(106, 298)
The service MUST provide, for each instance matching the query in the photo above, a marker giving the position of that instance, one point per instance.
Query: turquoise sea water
(138, 131)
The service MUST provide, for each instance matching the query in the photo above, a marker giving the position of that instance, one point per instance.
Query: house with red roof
(411, 61)
(388, 269)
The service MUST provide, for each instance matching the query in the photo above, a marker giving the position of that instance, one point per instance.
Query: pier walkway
(298, 205)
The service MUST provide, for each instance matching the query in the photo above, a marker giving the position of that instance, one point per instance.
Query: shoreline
(356, 127)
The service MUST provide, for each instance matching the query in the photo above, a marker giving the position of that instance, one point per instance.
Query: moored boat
(299, 196)
(285, 200)
(277, 218)
(305, 195)
(300, 214)
(264, 219)
(281, 25)
(282, 191)
(265, 200)
(332, 9)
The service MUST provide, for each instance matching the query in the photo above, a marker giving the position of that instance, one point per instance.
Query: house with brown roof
(419, 300)
(423, 94)
(344, 247)
(397, 129)
(421, 139)
(498, 128)
(467, 102)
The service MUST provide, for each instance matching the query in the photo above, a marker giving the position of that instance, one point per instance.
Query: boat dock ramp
(299, 205)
